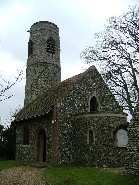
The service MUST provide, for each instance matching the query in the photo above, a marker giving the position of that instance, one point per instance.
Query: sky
(77, 20)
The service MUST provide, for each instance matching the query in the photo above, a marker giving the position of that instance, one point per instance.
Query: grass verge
(9, 164)
(86, 176)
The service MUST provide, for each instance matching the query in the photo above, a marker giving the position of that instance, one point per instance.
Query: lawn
(86, 176)
(9, 164)
(79, 175)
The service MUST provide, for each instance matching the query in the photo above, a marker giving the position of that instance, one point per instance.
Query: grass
(86, 176)
(79, 175)
(9, 164)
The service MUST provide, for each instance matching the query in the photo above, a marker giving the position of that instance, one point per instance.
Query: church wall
(77, 100)
(102, 152)
(132, 157)
(76, 103)
(28, 153)
(24, 153)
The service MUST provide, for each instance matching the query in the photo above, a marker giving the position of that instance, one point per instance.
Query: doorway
(41, 145)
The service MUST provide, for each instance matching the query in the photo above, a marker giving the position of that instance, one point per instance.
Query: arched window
(93, 104)
(25, 134)
(30, 47)
(90, 137)
(121, 138)
(50, 47)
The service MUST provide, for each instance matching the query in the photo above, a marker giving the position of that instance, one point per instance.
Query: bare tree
(117, 55)
(5, 84)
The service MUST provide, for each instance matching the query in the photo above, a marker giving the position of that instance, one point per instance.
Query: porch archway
(41, 145)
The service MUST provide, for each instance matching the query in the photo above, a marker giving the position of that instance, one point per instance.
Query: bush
(7, 143)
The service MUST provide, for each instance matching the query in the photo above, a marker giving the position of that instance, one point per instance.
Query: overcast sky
(77, 20)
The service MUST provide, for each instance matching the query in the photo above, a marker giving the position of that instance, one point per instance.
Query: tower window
(90, 137)
(25, 134)
(93, 104)
(50, 45)
(30, 47)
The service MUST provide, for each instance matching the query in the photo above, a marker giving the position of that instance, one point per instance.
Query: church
(76, 121)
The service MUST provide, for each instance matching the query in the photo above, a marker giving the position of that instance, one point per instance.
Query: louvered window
(50, 45)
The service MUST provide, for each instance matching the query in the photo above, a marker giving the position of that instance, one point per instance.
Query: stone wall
(43, 68)
(74, 125)
(27, 153)
(132, 157)
(103, 151)
(77, 100)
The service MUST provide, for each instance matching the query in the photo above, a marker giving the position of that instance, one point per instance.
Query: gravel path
(22, 176)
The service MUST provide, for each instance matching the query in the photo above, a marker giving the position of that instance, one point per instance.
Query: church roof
(43, 103)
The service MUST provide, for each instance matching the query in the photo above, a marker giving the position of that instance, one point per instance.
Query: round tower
(43, 63)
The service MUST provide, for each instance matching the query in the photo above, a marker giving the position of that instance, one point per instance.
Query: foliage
(117, 55)
(7, 138)
(7, 143)
(1, 128)
(9, 164)
(5, 85)
(86, 176)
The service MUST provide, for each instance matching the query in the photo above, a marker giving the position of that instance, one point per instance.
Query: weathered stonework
(28, 153)
(132, 157)
(43, 68)
(75, 120)
(59, 114)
